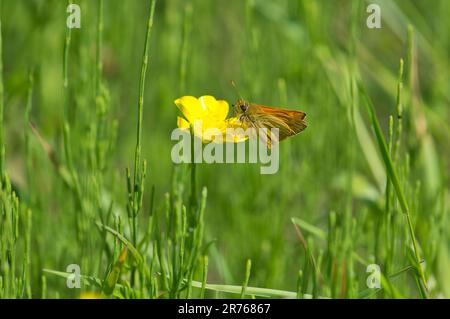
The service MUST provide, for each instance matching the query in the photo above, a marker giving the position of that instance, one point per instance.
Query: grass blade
(392, 174)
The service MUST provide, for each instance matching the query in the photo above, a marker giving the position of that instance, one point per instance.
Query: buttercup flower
(206, 113)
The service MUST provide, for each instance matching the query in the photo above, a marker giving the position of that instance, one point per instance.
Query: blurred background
(327, 203)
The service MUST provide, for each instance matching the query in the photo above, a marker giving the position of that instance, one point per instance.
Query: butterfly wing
(288, 122)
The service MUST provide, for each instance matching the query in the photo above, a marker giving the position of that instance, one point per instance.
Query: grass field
(87, 177)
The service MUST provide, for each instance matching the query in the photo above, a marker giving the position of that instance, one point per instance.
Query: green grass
(87, 178)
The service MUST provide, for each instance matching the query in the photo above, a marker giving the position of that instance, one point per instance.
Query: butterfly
(288, 122)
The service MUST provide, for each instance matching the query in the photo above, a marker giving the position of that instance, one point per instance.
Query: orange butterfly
(256, 116)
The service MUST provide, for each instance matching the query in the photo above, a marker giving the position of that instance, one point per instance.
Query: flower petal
(190, 107)
(217, 109)
(222, 109)
(182, 123)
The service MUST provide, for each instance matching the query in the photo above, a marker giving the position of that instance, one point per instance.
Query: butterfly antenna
(233, 84)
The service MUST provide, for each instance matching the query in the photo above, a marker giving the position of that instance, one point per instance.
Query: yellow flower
(204, 114)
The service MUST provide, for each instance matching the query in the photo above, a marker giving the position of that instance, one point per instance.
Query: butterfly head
(241, 106)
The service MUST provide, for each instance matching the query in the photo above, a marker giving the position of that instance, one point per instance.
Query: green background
(302, 55)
